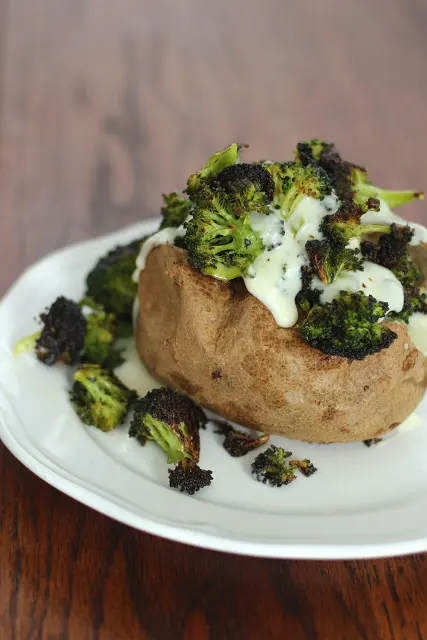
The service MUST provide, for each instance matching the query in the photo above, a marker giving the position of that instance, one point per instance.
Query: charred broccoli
(307, 297)
(110, 282)
(348, 326)
(62, 338)
(345, 224)
(219, 239)
(99, 398)
(175, 210)
(415, 301)
(271, 467)
(173, 422)
(293, 182)
(391, 252)
(101, 333)
(249, 187)
(349, 180)
(329, 261)
(237, 443)
(306, 467)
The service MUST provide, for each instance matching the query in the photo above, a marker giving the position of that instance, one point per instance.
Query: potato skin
(221, 346)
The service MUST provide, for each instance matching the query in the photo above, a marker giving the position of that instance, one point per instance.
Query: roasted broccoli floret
(349, 180)
(101, 333)
(345, 224)
(348, 326)
(175, 210)
(271, 467)
(220, 241)
(237, 443)
(62, 338)
(188, 477)
(173, 422)
(391, 252)
(99, 398)
(214, 165)
(330, 261)
(110, 282)
(293, 182)
(415, 301)
(306, 467)
(249, 187)
(307, 297)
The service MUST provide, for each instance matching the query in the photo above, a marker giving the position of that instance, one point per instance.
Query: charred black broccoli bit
(340, 227)
(329, 260)
(349, 180)
(415, 301)
(110, 282)
(306, 467)
(348, 326)
(391, 252)
(249, 187)
(214, 165)
(173, 422)
(188, 477)
(237, 443)
(271, 467)
(175, 210)
(63, 335)
(99, 398)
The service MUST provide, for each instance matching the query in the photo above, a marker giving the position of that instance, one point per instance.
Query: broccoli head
(101, 333)
(249, 187)
(188, 477)
(271, 467)
(99, 398)
(415, 301)
(350, 181)
(293, 182)
(219, 239)
(391, 252)
(237, 443)
(175, 210)
(345, 224)
(329, 261)
(214, 165)
(62, 338)
(110, 282)
(348, 326)
(172, 421)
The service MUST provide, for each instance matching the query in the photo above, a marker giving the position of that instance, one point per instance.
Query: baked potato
(221, 346)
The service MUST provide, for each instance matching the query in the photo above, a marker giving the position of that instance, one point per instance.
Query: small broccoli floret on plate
(348, 326)
(188, 477)
(271, 467)
(175, 210)
(110, 282)
(391, 252)
(99, 398)
(237, 443)
(101, 333)
(63, 335)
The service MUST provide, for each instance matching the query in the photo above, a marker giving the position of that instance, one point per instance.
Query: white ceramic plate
(362, 502)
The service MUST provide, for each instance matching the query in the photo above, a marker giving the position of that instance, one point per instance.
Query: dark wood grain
(104, 105)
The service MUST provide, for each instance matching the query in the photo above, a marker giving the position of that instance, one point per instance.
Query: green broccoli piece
(293, 182)
(307, 297)
(173, 421)
(62, 338)
(175, 210)
(249, 187)
(306, 467)
(220, 241)
(350, 181)
(214, 165)
(329, 261)
(271, 467)
(391, 252)
(345, 224)
(110, 282)
(348, 326)
(101, 333)
(415, 301)
(237, 443)
(99, 398)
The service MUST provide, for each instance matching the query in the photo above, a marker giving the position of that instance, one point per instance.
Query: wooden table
(104, 105)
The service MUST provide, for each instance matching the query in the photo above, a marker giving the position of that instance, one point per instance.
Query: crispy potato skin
(221, 346)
